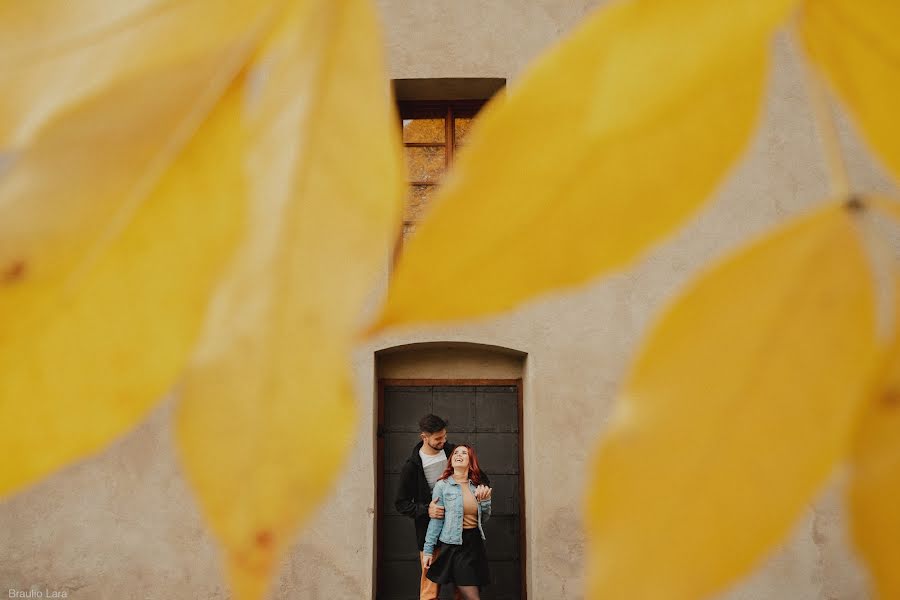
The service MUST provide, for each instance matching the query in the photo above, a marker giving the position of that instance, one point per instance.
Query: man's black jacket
(413, 495)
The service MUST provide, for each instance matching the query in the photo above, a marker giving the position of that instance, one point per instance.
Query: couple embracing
(449, 497)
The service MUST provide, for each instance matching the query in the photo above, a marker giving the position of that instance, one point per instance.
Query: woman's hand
(482, 492)
(426, 561)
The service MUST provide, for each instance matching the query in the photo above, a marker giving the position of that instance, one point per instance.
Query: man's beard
(433, 447)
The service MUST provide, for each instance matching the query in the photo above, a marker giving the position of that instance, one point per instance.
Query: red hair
(474, 470)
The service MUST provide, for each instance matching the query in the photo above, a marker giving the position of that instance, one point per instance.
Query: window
(433, 132)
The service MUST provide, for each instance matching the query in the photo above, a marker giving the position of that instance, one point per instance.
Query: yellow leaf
(886, 206)
(267, 412)
(607, 145)
(116, 218)
(875, 486)
(737, 408)
(55, 54)
(104, 98)
(874, 489)
(855, 43)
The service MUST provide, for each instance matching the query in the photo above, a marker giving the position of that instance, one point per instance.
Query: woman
(462, 559)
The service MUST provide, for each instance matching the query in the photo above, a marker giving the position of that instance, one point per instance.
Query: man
(420, 472)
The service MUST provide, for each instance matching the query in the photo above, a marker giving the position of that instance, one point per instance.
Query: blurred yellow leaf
(56, 54)
(116, 218)
(855, 42)
(608, 144)
(888, 207)
(874, 489)
(100, 97)
(875, 485)
(267, 412)
(740, 403)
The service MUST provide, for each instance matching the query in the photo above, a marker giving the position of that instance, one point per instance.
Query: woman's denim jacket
(449, 529)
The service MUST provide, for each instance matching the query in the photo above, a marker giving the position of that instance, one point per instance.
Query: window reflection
(430, 149)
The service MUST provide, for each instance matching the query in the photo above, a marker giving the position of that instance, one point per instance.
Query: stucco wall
(123, 524)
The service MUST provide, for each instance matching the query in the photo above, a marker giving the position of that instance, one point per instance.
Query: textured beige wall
(123, 525)
(473, 38)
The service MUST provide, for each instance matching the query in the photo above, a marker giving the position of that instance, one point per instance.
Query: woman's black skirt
(464, 564)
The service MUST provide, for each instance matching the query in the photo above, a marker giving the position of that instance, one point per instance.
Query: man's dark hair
(431, 424)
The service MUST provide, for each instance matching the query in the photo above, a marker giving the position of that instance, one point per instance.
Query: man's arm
(405, 500)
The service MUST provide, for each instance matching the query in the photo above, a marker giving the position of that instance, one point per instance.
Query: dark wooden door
(487, 417)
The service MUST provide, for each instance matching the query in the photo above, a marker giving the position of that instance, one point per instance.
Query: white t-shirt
(433, 466)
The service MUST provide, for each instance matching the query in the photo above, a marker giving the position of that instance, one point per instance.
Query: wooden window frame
(449, 110)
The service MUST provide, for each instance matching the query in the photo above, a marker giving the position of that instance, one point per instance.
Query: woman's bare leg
(469, 592)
